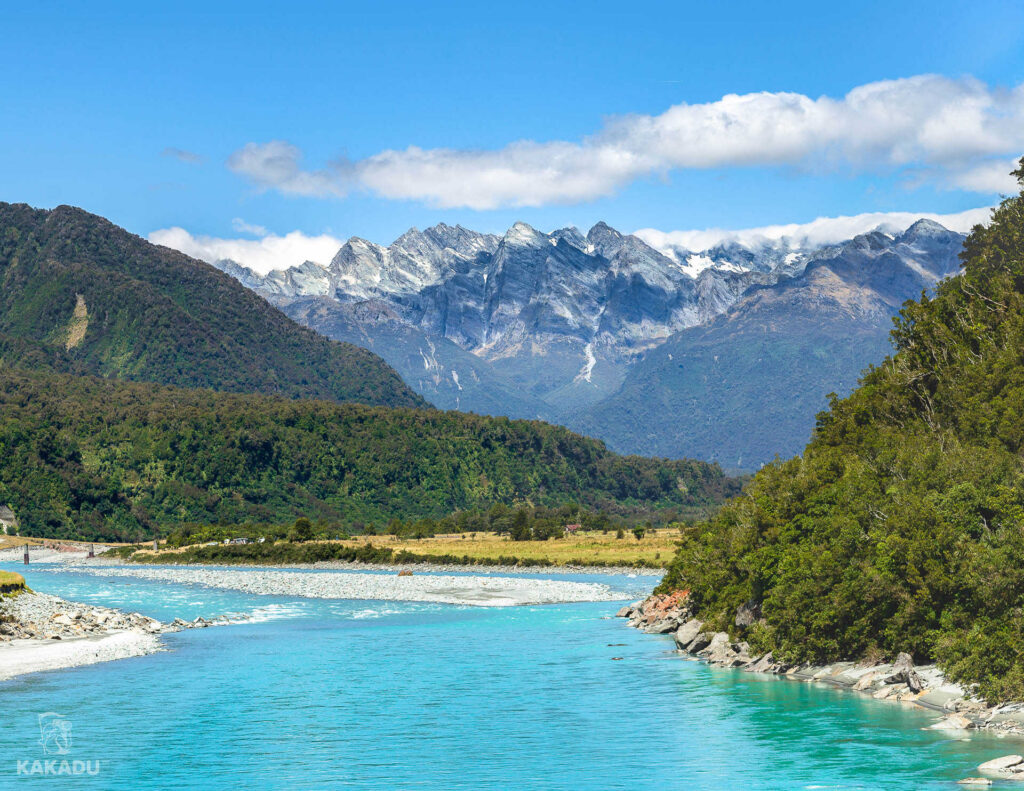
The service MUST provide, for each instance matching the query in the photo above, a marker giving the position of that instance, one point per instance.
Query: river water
(334, 694)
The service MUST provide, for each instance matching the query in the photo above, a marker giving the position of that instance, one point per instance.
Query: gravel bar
(471, 590)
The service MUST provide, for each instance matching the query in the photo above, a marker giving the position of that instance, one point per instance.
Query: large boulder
(763, 665)
(700, 642)
(1006, 763)
(662, 626)
(720, 651)
(903, 673)
(686, 633)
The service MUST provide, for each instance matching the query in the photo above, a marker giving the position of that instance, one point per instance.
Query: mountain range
(724, 354)
(141, 389)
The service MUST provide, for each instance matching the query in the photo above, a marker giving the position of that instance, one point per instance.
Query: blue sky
(143, 113)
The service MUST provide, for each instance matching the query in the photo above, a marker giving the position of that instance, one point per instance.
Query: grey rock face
(724, 354)
(687, 633)
(748, 614)
(747, 385)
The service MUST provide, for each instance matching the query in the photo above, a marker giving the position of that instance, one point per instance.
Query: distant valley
(724, 354)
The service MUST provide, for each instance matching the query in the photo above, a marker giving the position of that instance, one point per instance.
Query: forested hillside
(98, 458)
(78, 294)
(901, 528)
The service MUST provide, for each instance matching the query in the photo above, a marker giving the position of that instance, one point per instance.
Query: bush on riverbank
(286, 553)
(900, 528)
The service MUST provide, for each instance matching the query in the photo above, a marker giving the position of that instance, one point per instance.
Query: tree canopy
(901, 527)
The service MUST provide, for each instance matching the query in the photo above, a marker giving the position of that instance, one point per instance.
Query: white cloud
(989, 176)
(180, 154)
(261, 255)
(242, 226)
(276, 165)
(930, 123)
(822, 231)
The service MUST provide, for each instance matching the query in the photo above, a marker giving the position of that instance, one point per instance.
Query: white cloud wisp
(960, 132)
(261, 255)
(819, 232)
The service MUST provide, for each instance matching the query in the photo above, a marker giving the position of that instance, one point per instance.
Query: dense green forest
(901, 528)
(99, 458)
(80, 295)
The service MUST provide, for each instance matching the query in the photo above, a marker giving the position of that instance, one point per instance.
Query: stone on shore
(903, 673)
(723, 653)
(766, 664)
(954, 722)
(687, 633)
(1003, 764)
(664, 626)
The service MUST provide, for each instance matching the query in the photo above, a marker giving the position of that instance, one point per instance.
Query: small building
(241, 541)
(572, 529)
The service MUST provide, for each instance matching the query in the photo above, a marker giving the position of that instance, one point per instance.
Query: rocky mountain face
(748, 385)
(649, 350)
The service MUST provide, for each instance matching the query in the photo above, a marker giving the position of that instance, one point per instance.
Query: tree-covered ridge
(154, 314)
(902, 526)
(81, 456)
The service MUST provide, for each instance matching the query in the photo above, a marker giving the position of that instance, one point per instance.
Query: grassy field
(12, 542)
(654, 550)
(11, 582)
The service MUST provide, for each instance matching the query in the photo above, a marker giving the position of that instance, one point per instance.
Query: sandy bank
(19, 657)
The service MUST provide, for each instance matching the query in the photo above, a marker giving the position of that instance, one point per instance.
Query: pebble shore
(43, 632)
(470, 590)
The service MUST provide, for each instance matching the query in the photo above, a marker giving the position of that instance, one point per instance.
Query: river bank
(899, 681)
(481, 591)
(42, 632)
(430, 568)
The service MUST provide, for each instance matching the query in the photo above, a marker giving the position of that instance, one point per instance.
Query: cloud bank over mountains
(271, 251)
(956, 133)
(819, 232)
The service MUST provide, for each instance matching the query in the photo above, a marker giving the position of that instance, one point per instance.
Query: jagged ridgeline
(78, 294)
(95, 458)
(902, 526)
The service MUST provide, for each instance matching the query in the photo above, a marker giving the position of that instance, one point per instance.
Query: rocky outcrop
(900, 680)
(659, 614)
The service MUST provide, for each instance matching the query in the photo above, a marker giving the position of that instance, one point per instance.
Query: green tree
(302, 530)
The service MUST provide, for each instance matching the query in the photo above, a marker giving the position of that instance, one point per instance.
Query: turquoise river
(333, 694)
